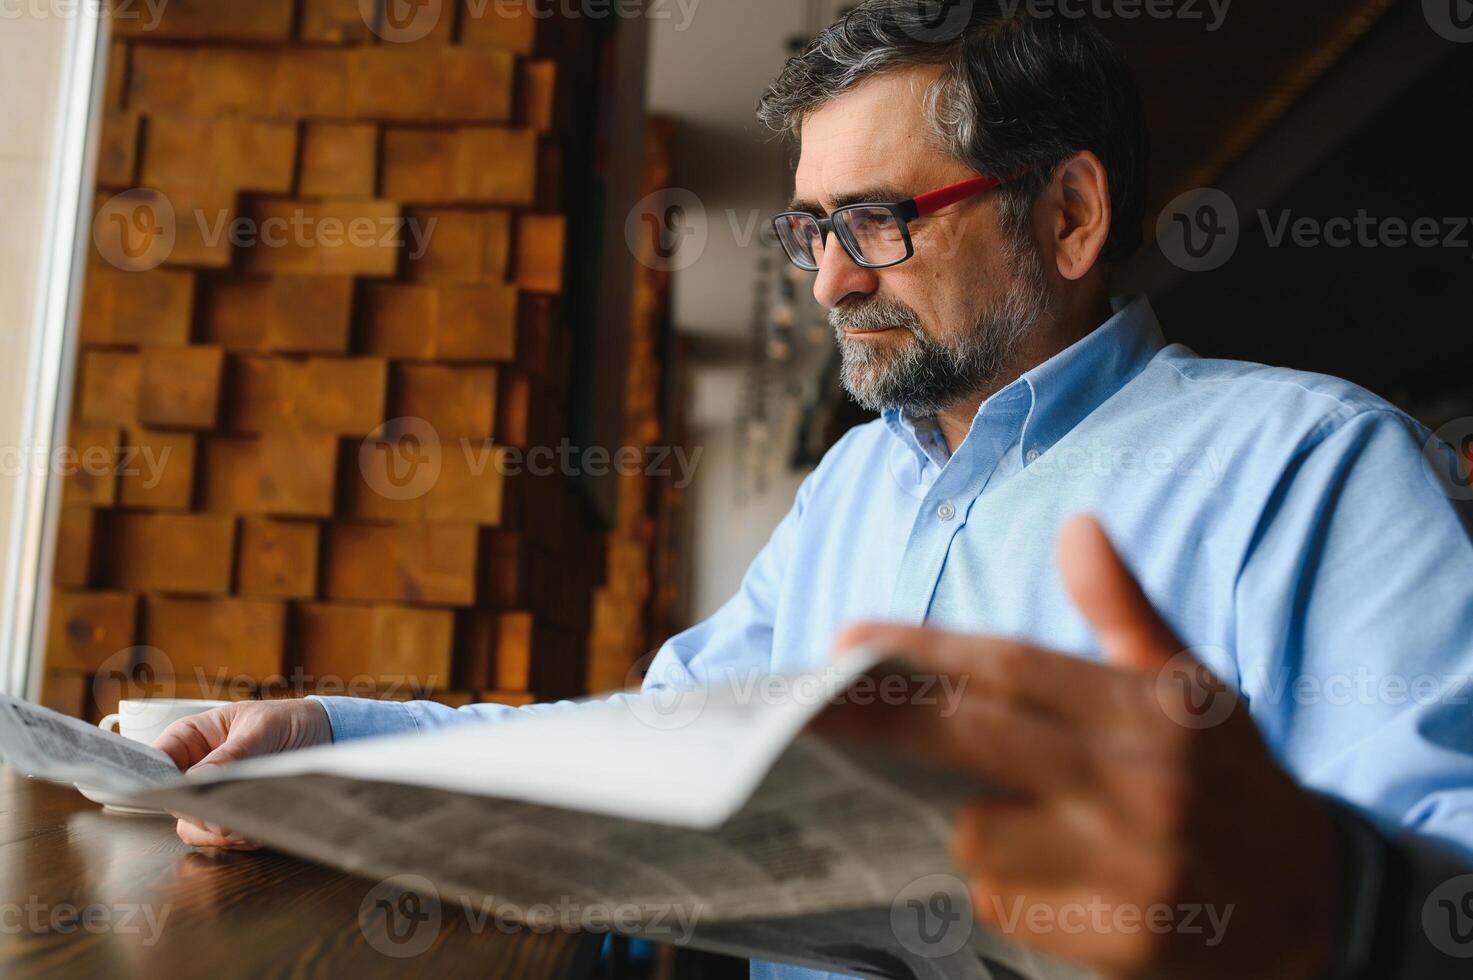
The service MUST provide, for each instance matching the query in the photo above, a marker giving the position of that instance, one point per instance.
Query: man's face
(942, 326)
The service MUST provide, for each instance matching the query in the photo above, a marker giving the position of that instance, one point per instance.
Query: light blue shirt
(1287, 525)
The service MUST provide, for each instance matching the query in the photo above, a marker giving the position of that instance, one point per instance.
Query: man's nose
(839, 279)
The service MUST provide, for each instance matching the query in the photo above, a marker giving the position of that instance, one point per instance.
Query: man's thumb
(1131, 631)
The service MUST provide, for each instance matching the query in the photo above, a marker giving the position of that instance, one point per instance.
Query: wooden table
(89, 893)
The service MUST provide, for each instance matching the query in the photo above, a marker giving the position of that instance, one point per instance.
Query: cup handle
(107, 723)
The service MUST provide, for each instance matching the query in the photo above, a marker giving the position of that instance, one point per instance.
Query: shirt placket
(944, 510)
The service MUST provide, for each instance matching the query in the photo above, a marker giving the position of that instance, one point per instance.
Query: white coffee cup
(144, 719)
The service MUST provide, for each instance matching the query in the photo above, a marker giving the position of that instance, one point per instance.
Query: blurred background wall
(349, 276)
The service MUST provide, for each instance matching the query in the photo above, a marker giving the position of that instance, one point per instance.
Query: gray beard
(926, 375)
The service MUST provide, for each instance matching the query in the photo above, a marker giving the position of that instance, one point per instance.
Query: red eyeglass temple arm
(936, 200)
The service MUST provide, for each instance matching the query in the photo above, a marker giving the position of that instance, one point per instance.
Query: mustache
(875, 315)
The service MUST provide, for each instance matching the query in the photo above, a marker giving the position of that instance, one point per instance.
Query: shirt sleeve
(1354, 624)
(737, 638)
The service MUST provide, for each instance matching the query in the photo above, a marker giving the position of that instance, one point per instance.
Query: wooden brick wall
(240, 520)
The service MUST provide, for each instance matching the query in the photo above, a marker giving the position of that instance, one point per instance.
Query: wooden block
(344, 395)
(473, 85)
(225, 637)
(472, 165)
(514, 651)
(297, 473)
(117, 150)
(422, 322)
(417, 84)
(259, 20)
(250, 394)
(204, 217)
(540, 252)
(162, 552)
(454, 699)
(435, 83)
(477, 323)
(326, 238)
(405, 563)
(88, 627)
(156, 469)
(310, 315)
(229, 475)
(236, 311)
(504, 570)
(115, 89)
(65, 691)
(141, 228)
(538, 100)
(460, 246)
(334, 22)
(472, 485)
(514, 409)
(516, 699)
(109, 388)
(233, 154)
(456, 401)
(339, 160)
(91, 465)
(132, 308)
(285, 313)
(511, 26)
(400, 320)
(76, 548)
(278, 559)
(339, 642)
(180, 387)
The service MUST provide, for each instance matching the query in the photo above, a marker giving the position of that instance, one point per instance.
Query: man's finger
(184, 742)
(1027, 844)
(1131, 632)
(1070, 689)
(197, 835)
(1009, 746)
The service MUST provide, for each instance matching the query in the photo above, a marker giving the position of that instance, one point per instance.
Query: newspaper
(710, 820)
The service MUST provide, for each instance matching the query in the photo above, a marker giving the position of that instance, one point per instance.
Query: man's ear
(1078, 218)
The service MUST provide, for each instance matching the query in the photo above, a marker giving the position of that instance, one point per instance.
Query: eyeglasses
(876, 236)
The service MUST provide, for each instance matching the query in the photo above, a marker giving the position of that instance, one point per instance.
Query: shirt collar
(1068, 387)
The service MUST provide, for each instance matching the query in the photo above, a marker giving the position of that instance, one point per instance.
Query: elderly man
(963, 189)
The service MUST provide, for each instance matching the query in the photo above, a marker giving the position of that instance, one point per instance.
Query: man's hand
(1133, 794)
(233, 732)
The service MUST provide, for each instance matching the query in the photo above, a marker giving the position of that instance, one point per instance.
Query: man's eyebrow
(871, 195)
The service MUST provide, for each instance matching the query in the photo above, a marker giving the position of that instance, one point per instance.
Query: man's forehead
(874, 135)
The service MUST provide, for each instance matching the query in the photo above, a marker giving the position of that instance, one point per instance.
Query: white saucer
(118, 804)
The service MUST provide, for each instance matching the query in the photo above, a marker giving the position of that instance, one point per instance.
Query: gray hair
(1014, 91)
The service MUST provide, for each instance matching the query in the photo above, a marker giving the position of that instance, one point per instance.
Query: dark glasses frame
(904, 212)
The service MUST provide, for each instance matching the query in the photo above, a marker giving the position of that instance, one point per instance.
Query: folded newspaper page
(706, 818)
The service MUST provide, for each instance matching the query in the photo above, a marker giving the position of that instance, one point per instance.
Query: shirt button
(1032, 455)
(946, 511)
